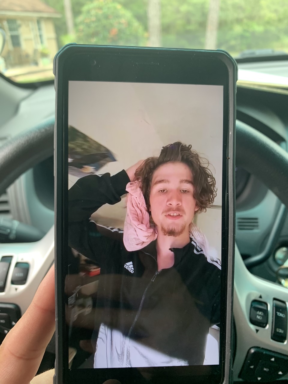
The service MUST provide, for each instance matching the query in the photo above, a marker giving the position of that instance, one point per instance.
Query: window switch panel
(259, 313)
(279, 322)
(20, 274)
(4, 268)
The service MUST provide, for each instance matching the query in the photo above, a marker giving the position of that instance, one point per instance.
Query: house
(30, 32)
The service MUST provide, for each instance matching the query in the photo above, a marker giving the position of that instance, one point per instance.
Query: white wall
(135, 120)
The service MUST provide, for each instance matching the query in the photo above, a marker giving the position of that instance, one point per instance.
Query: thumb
(24, 346)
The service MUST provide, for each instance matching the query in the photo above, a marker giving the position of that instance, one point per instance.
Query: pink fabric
(137, 230)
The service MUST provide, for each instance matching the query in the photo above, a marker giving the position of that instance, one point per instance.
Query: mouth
(173, 215)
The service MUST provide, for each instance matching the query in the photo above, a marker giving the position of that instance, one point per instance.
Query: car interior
(27, 116)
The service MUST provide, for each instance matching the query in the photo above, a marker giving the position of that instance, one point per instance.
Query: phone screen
(145, 170)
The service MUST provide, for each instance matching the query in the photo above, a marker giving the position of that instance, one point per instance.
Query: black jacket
(171, 310)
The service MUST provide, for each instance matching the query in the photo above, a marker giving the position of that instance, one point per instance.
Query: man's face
(171, 199)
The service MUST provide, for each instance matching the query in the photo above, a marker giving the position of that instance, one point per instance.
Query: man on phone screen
(159, 290)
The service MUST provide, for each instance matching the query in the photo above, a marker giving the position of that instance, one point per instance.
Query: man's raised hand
(131, 170)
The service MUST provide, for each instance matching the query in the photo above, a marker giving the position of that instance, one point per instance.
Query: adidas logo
(198, 249)
(129, 266)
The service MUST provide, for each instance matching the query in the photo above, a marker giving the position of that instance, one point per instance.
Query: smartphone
(144, 171)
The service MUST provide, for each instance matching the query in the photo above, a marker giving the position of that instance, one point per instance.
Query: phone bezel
(147, 65)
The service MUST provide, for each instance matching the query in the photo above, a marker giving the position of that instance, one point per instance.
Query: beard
(172, 230)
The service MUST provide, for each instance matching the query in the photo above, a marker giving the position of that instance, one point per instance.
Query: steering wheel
(255, 153)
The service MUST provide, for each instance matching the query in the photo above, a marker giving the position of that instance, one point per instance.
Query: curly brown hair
(203, 181)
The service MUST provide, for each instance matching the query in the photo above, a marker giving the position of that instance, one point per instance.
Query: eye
(163, 190)
(184, 191)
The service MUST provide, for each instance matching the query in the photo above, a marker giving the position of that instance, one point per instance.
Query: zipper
(141, 303)
(127, 339)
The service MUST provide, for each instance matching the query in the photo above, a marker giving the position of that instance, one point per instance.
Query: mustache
(177, 210)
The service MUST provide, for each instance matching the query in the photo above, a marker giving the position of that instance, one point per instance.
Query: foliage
(44, 52)
(59, 23)
(67, 39)
(107, 22)
(138, 8)
(184, 23)
(256, 24)
(243, 24)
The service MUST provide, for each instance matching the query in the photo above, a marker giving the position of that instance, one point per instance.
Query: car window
(36, 30)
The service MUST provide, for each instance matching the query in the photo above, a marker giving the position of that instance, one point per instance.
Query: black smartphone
(144, 170)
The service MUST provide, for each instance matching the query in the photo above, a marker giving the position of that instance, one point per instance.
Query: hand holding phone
(23, 348)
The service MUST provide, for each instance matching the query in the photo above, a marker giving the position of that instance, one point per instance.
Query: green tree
(212, 25)
(154, 23)
(256, 24)
(243, 24)
(184, 23)
(59, 23)
(138, 8)
(108, 22)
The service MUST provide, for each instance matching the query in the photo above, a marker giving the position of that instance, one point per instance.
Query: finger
(131, 170)
(23, 348)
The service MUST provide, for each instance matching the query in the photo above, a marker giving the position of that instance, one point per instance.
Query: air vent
(247, 223)
(5, 211)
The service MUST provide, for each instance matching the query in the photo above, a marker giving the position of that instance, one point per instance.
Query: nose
(174, 199)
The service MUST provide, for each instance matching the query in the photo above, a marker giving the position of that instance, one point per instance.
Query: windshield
(36, 29)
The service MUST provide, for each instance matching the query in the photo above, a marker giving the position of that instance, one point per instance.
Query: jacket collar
(178, 252)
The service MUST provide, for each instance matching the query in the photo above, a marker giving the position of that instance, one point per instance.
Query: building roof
(26, 8)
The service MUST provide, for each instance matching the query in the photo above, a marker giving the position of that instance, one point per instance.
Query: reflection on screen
(144, 213)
